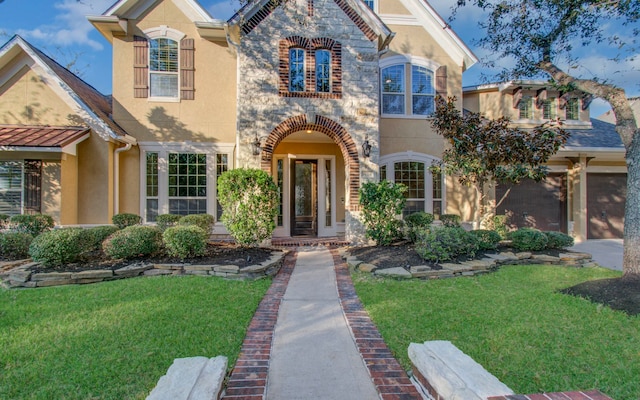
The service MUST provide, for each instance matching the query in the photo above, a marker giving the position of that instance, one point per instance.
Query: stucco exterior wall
(211, 116)
(95, 181)
(69, 190)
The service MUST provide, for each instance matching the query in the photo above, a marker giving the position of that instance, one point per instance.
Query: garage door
(541, 205)
(606, 194)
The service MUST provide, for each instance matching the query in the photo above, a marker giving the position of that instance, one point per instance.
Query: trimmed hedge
(33, 224)
(558, 240)
(96, 235)
(446, 243)
(185, 241)
(206, 222)
(58, 247)
(528, 239)
(124, 220)
(164, 221)
(133, 241)
(15, 245)
(487, 239)
(416, 223)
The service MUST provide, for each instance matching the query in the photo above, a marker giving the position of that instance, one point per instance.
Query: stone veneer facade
(348, 115)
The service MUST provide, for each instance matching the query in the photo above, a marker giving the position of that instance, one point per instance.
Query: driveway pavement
(606, 252)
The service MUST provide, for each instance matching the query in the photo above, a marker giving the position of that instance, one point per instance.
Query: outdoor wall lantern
(366, 147)
(257, 148)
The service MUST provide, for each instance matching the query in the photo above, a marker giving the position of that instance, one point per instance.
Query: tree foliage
(482, 150)
(549, 37)
(381, 203)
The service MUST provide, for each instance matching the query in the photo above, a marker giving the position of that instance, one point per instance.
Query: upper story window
(163, 68)
(163, 65)
(310, 68)
(323, 71)
(296, 70)
(550, 108)
(573, 109)
(371, 4)
(393, 88)
(526, 108)
(408, 86)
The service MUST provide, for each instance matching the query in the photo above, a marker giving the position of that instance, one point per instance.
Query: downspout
(116, 175)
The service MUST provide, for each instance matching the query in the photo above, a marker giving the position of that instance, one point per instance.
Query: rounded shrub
(249, 200)
(15, 245)
(33, 224)
(450, 220)
(381, 203)
(164, 221)
(58, 247)
(417, 222)
(487, 239)
(558, 240)
(124, 220)
(446, 243)
(203, 221)
(94, 237)
(185, 241)
(133, 241)
(528, 239)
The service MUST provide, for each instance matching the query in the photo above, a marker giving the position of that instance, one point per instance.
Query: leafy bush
(164, 221)
(528, 239)
(446, 243)
(487, 239)
(185, 241)
(58, 247)
(450, 220)
(4, 221)
(558, 240)
(203, 221)
(124, 220)
(133, 241)
(417, 222)
(381, 203)
(93, 237)
(33, 224)
(15, 245)
(249, 199)
(499, 223)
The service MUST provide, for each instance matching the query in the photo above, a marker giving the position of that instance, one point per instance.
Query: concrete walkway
(313, 354)
(606, 252)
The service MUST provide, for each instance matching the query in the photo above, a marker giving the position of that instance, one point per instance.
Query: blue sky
(60, 29)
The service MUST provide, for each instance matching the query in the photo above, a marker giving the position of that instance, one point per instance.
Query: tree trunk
(631, 257)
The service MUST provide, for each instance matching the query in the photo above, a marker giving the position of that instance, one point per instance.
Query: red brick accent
(357, 19)
(260, 15)
(390, 379)
(310, 46)
(248, 379)
(310, 8)
(578, 395)
(330, 128)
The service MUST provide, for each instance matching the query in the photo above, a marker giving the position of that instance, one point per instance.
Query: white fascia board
(442, 33)
(133, 9)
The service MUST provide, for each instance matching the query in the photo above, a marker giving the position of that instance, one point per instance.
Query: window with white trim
(550, 108)
(181, 180)
(11, 187)
(425, 190)
(323, 71)
(408, 86)
(163, 68)
(422, 90)
(525, 108)
(393, 88)
(573, 109)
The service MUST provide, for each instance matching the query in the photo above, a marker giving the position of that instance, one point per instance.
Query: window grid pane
(164, 85)
(323, 71)
(437, 194)
(163, 55)
(370, 3)
(11, 187)
(152, 210)
(152, 174)
(549, 109)
(393, 89)
(573, 109)
(296, 70)
(280, 182)
(222, 165)
(525, 108)
(411, 174)
(383, 173)
(187, 178)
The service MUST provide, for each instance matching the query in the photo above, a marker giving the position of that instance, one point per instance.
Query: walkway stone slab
(193, 378)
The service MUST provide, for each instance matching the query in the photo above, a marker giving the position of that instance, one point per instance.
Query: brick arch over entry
(330, 128)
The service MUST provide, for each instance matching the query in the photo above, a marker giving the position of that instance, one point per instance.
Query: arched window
(393, 88)
(163, 68)
(296, 70)
(323, 71)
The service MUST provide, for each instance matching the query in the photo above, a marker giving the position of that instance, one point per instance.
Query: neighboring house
(585, 191)
(322, 94)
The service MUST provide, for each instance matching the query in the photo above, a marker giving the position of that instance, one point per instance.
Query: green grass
(114, 340)
(515, 324)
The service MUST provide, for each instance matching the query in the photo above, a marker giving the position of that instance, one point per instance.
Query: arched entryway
(312, 176)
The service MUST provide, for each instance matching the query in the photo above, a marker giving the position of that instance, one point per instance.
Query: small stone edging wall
(473, 267)
(20, 276)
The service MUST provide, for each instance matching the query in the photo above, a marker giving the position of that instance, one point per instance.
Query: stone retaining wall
(20, 276)
(473, 267)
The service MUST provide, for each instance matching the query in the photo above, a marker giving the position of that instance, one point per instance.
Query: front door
(304, 198)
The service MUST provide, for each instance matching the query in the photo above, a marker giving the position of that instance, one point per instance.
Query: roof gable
(133, 9)
(89, 105)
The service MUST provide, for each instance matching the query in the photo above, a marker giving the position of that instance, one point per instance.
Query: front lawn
(516, 324)
(114, 340)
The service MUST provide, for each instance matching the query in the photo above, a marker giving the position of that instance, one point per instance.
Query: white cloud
(70, 26)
